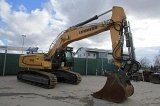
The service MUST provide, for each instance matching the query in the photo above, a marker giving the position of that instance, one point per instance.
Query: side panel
(34, 61)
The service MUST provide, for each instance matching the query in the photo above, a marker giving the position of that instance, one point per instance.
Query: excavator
(46, 69)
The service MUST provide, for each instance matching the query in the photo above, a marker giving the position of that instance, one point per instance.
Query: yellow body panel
(34, 61)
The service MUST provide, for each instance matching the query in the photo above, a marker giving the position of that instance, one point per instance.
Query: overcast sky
(42, 20)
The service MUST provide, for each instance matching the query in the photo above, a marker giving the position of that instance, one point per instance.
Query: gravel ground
(14, 93)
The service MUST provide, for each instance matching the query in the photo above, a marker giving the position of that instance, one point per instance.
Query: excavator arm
(79, 32)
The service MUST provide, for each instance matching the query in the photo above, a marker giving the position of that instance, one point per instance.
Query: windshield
(68, 55)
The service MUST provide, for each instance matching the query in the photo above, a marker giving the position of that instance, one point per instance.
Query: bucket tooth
(114, 90)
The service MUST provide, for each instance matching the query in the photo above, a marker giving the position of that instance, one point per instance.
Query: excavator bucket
(116, 89)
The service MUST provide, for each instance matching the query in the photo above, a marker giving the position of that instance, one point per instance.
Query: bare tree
(157, 60)
(145, 63)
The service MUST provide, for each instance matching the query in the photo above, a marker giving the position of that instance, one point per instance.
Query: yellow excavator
(45, 70)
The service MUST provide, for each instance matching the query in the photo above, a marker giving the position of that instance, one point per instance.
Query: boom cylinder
(92, 19)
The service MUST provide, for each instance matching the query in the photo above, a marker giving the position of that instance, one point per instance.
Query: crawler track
(46, 79)
(37, 78)
(68, 76)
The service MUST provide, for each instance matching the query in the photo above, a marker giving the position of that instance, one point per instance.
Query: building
(93, 61)
(92, 53)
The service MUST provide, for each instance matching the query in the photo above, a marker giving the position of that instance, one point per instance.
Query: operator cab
(65, 58)
(69, 60)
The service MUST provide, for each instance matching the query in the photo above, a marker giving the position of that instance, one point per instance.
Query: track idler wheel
(115, 89)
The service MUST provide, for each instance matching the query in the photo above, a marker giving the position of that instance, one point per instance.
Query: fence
(81, 65)
(92, 66)
(10, 66)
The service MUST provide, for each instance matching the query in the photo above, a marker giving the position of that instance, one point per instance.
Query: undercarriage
(48, 79)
